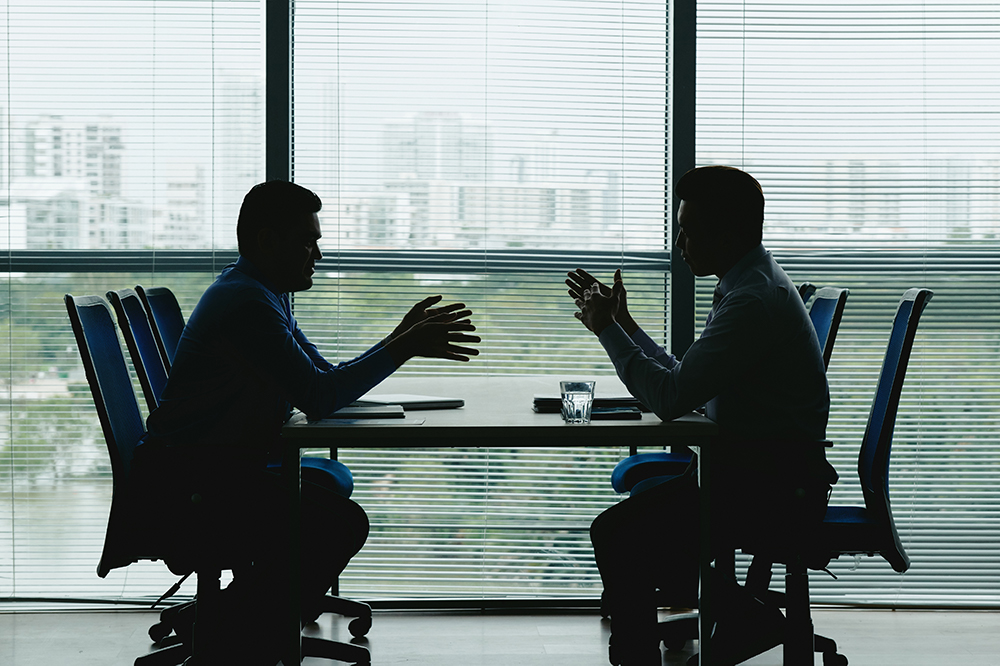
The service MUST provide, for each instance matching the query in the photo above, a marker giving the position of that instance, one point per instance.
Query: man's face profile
(694, 239)
(294, 253)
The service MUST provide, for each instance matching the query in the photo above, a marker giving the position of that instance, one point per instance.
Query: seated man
(757, 369)
(242, 363)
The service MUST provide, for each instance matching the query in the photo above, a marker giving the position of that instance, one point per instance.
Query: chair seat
(330, 474)
(630, 471)
(849, 530)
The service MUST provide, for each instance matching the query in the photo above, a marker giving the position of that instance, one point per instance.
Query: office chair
(826, 312)
(136, 321)
(846, 530)
(122, 425)
(142, 344)
(168, 322)
(127, 539)
(642, 471)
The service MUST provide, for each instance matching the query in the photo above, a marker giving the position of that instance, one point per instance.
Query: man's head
(278, 230)
(721, 217)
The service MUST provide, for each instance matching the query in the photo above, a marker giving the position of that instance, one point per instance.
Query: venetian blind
(874, 131)
(129, 131)
(480, 150)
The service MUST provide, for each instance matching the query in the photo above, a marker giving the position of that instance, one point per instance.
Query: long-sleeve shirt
(757, 366)
(242, 362)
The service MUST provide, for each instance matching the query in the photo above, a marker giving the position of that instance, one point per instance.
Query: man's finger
(427, 302)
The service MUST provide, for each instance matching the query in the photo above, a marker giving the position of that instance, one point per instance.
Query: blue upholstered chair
(168, 322)
(127, 538)
(847, 530)
(121, 422)
(152, 365)
(643, 470)
(141, 343)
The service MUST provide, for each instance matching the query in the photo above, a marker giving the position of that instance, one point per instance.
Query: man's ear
(265, 241)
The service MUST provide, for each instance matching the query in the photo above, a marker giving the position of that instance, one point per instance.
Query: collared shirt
(757, 366)
(242, 361)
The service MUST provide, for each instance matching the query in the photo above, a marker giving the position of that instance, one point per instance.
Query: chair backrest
(118, 410)
(167, 319)
(806, 290)
(873, 459)
(826, 312)
(141, 344)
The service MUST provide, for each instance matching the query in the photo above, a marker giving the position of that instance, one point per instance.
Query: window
(106, 109)
(480, 150)
(874, 132)
(545, 121)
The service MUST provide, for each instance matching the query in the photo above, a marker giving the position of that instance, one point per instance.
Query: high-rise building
(437, 146)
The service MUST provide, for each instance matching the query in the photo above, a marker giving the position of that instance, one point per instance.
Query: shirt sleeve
(653, 350)
(723, 354)
(274, 349)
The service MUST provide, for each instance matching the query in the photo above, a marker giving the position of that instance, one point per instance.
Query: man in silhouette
(240, 367)
(758, 371)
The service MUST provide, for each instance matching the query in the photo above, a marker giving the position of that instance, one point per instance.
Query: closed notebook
(546, 404)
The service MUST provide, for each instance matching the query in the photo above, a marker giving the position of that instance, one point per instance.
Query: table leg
(291, 477)
(706, 611)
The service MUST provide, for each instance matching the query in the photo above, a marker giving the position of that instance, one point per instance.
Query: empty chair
(141, 343)
(168, 322)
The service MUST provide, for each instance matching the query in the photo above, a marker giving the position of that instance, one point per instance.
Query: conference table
(497, 413)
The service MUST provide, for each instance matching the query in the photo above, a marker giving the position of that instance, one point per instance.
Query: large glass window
(480, 150)
(129, 132)
(874, 130)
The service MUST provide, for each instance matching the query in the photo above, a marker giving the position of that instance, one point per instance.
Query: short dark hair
(273, 204)
(728, 196)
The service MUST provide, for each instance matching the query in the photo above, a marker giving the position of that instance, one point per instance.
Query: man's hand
(422, 310)
(436, 333)
(583, 286)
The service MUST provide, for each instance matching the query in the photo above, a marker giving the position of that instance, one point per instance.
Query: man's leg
(643, 544)
(334, 529)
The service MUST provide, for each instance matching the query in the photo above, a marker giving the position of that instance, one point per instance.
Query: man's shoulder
(765, 280)
(231, 291)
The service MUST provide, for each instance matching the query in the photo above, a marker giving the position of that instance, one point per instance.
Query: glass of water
(577, 401)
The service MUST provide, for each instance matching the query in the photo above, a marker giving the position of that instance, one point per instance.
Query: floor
(867, 637)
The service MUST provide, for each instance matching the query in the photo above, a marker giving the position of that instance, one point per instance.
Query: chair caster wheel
(360, 626)
(677, 645)
(159, 631)
(834, 659)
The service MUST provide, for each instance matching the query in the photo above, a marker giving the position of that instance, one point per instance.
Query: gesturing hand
(584, 287)
(435, 333)
(580, 281)
(422, 310)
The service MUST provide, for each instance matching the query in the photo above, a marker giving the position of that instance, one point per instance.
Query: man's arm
(653, 350)
(725, 351)
(262, 341)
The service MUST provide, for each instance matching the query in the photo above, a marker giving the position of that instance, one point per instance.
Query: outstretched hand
(434, 333)
(422, 310)
(597, 301)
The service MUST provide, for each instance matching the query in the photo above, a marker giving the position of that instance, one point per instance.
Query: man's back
(213, 396)
(775, 383)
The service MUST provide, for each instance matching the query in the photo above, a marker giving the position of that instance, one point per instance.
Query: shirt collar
(733, 275)
(250, 269)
